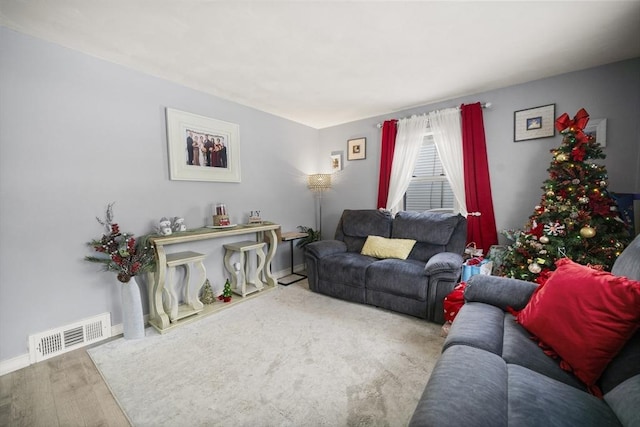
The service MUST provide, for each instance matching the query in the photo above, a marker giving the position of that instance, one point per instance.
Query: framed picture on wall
(534, 123)
(201, 148)
(336, 161)
(357, 149)
(598, 128)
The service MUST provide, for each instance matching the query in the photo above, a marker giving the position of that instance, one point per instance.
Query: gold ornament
(562, 157)
(587, 232)
(544, 239)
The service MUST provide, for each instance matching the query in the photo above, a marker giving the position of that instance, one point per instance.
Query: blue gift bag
(473, 268)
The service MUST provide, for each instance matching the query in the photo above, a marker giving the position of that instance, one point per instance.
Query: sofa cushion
(625, 365)
(535, 399)
(627, 264)
(398, 277)
(468, 387)
(382, 247)
(478, 325)
(427, 227)
(586, 316)
(347, 268)
(356, 225)
(518, 348)
(624, 400)
(489, 328)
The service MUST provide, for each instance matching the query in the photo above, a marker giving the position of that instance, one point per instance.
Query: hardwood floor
(66, 390)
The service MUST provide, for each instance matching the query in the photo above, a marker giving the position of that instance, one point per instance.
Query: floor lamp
(318, 183)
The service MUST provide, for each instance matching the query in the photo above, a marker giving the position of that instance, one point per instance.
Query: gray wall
(517, 169)
(76, 133)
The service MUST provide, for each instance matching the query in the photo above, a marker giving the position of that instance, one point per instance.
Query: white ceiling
(331, 62)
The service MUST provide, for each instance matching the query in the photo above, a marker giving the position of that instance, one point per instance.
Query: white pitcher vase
(132, 317)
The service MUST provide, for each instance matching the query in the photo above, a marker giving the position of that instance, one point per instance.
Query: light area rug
(290, 357)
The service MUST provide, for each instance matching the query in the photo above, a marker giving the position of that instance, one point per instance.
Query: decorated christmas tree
(576, 218)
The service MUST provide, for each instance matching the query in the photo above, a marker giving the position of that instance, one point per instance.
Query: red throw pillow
(585, 316)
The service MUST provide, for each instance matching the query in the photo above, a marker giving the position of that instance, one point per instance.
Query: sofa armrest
(443, 270)
(322, 248)
(444, 262)
(501, 292)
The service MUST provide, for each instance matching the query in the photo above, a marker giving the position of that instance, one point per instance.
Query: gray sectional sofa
(414, 286)
(491, 373)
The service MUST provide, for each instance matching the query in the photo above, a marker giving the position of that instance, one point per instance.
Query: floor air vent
(61, 340)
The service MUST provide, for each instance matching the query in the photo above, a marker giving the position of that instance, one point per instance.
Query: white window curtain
(411, 132)
(446, 126)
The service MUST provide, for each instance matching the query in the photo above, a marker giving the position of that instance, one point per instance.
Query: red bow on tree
(579, 121)
(576, 126)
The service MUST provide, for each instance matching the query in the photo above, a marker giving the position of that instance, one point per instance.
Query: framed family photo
(202, 148)
(357, 149)
(534, 123)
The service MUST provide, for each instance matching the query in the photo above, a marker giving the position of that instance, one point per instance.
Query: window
(429, 188)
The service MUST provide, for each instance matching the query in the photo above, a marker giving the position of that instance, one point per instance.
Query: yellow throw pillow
(381, 247)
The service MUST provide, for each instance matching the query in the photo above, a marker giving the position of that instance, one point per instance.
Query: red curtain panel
(481, 222)
(389, 129)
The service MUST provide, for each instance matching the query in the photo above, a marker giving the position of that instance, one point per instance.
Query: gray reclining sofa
(491, 373)
(415, 286)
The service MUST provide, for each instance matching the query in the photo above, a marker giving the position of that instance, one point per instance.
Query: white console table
(158, 318)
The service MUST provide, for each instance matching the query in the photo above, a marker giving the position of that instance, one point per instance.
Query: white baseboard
(13, 364)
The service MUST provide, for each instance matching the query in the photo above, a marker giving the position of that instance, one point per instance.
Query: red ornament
(537, 230)
(578, 153)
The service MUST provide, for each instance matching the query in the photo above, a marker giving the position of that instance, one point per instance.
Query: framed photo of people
(202, 148)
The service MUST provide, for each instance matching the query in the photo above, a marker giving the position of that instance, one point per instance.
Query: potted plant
(312, 236)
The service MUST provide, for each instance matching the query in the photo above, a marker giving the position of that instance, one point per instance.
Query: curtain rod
(483, 105)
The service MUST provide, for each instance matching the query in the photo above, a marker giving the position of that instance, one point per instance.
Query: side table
(292, 277)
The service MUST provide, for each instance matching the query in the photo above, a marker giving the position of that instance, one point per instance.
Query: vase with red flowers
(127, 257)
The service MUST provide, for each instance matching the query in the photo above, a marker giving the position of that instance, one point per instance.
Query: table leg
(273, 244)
(293, 274)
(157, 315)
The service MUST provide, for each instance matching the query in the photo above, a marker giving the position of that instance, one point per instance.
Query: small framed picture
(336, 161)
(598, 129)
(357, 149)
(534, 123)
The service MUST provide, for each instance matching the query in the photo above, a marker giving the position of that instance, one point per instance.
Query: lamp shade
(319, 181)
